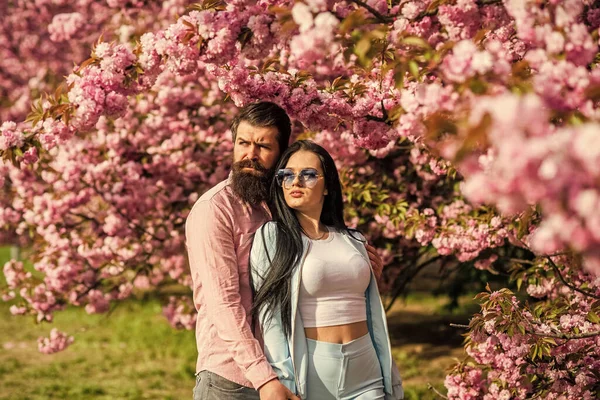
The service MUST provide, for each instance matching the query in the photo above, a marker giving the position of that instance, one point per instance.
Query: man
(219, 232)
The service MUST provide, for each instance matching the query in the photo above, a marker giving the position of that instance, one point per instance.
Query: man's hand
(376, 261)
(275, 390)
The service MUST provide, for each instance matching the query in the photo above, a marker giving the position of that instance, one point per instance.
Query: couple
(304, 283)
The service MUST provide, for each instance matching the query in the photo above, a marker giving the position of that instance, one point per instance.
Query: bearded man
(219, 231)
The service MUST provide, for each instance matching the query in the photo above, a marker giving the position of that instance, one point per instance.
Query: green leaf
(593, 317)
(399, 72)
(353, 20)
(534, 352)
(519, 282)
(217, 5)
(362, 47)
(416, 41)
(413, 67)
(477, 86)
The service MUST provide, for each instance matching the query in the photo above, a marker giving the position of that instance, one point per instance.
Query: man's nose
(252, 153)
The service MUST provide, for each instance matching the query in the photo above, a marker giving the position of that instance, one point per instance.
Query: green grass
(424, 345)
(4, 255)
(133, 353)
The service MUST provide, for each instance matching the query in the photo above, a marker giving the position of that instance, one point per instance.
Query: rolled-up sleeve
(214, 267)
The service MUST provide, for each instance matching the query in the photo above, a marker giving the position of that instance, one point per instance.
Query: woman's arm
(275, 342)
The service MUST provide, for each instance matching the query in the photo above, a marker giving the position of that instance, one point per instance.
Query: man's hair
(265, 114)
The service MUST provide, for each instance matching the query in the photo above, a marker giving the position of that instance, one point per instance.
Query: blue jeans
(210, 386)
(349, 371)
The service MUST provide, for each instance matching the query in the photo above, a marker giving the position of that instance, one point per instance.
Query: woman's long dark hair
(275, 293)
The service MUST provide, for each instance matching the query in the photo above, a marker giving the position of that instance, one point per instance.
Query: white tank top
(334, 279)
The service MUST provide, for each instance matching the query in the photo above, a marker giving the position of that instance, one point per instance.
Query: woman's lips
(296, 194)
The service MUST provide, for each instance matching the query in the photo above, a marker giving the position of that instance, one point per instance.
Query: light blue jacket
(288, 355)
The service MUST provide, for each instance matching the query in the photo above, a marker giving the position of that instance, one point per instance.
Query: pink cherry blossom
(57, 341)
(65, 26)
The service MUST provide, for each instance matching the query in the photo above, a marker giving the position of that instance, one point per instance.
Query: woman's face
(298, 178)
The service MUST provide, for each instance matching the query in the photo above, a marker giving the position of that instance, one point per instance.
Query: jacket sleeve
(397, 388)
(214, 268)
(275, 342)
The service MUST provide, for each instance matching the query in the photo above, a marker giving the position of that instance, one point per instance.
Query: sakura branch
(569, 285)
(562, 335)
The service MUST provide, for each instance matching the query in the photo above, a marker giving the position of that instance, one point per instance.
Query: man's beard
(251, 187)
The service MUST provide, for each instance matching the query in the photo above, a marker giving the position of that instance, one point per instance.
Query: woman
(316, 297)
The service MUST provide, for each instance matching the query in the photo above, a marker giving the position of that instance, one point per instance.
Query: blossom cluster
(531, 162)
(518, 351)
(179, 313)
(57, 341)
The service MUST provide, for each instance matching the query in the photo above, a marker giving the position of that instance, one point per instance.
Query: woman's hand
(376, 261)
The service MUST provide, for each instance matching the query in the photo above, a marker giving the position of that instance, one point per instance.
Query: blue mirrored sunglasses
(307, 177)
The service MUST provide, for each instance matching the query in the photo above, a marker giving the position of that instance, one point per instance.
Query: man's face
(255, 153)
(257, 144)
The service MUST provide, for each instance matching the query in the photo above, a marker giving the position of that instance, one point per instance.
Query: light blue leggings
(349, 371)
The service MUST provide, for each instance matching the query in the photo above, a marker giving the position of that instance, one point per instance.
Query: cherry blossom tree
(466, 132)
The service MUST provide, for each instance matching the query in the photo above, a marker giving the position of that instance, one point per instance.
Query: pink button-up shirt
(219, 232)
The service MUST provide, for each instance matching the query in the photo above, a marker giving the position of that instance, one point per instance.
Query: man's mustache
(249, 164)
